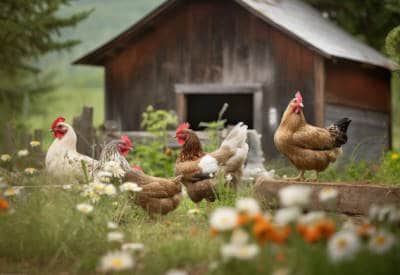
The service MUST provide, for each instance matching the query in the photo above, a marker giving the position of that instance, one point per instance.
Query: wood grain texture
(353, 198)
(208, 41)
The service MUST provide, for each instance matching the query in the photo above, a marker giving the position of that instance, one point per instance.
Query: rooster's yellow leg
(299, 177)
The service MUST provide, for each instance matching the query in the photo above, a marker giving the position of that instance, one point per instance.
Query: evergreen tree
(29, 29)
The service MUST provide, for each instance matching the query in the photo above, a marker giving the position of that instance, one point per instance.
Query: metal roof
(294, 17)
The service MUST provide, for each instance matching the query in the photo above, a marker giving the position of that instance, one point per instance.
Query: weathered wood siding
(363, 94)
(368, 132)
(356, 85)
(214, 41)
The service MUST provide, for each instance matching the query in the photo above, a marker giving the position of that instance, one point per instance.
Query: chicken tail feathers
(237, 136)
(343, 124)
(339, 130)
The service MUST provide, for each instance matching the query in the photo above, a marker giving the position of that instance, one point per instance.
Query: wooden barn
(191, 56)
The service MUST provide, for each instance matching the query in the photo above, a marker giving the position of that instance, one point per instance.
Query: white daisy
(110, 190)
(248, 205)
(12, 191)
(287, 215)
(328, 195)
(349, 226)
(115, 169)
(5, 157)
(312, 217)
(176, 272)
(67, 186)
(30, 170)
(374, 211)
(23, 153)
(223, 219)
(381, 242)
(116, 261)
(112, 225)
(115, 236)
(295, 195)
(343, 246)
(239, 237)
(130, 186)
(84, 208)
(228, 178)
(194, 211)
(34, 143)
(241, 252)
(281, 271)
(132, 247)
(394, 216)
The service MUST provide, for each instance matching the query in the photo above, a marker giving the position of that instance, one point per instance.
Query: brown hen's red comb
(183, 126)
(56, 121)
(127, 141)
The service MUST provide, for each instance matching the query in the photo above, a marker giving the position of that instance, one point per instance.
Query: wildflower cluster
(249, 232)
(124, 257)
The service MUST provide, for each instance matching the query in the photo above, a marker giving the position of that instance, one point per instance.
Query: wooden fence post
(83, 126)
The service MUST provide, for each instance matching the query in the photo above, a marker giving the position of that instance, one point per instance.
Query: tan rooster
(196, 166)
(158, 195)
(309, 147)
(62, 159)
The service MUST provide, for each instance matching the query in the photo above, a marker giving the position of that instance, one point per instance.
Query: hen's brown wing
(314, 138)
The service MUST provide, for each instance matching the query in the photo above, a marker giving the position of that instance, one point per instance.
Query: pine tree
(29, 29)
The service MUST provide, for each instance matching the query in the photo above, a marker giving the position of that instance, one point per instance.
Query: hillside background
(77, 86)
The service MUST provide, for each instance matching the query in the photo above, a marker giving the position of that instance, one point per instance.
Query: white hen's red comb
(56, 121)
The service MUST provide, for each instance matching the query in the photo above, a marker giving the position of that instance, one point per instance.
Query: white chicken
(62, 159)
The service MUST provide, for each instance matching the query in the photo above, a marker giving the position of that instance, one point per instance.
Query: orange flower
(280, 235)
(213, 232)
(326, 227)
(365, 230)
(243, 219)
(262, 230)
(312, 234)
(4, 204)
(301, 228)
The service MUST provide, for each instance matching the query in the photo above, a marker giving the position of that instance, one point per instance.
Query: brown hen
(309, 147)
(198, 168)
(158, 195)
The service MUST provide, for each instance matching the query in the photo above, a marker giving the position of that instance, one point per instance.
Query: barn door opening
(202, 102)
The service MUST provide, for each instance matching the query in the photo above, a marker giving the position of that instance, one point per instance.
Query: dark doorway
(205, 108)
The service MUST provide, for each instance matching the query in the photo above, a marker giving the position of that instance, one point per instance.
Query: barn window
(202, 102)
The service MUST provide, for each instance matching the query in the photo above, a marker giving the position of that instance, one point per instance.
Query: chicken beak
(301, 105)
(51, 130)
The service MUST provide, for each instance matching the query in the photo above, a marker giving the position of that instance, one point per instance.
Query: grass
(45, 234)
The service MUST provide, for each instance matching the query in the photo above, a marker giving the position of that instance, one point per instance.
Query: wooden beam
(319, 89)
(218, 88)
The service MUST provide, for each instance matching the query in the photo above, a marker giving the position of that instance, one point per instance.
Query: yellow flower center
(342, 244)
(116, 263)
(380, 240)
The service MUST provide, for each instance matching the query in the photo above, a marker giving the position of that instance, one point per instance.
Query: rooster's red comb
(56, 121)
(127, 141)
(183, 126)
(299, 96)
